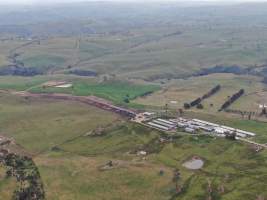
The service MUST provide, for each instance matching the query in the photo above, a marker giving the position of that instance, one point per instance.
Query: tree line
(197, 102)
(232, 99)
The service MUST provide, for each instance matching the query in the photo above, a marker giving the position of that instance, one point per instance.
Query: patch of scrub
(194, 164)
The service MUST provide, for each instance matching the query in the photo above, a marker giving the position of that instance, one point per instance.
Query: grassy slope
(40, 61)
(148, 52)
(89, 183)
(40, 125)
(226, 163)
(231, 164)
(21, 83)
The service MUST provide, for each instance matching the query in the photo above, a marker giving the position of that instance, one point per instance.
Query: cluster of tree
(80, 72)
(232, 99)
(27, 174)
(15, 70)
(222, 69)
(197, 102)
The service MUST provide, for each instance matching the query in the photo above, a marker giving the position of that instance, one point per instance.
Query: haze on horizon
(14, 2)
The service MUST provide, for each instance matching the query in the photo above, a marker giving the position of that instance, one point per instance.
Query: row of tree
(232, 99)
(212, 92)
(197, 102)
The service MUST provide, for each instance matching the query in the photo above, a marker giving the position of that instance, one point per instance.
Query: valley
(77, 79)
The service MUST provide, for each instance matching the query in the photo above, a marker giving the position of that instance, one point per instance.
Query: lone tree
(126, 100)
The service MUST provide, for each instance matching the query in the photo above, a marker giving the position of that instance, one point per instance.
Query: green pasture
(115, 91)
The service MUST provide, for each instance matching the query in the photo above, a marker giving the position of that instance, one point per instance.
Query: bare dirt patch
(194, 163)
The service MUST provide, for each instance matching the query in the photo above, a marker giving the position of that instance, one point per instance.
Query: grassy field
(61, 133)
(21, 83)
(233, 165)
(115, 91)
(43, 61)
(38, 125)
(230, 164)
(128, 181)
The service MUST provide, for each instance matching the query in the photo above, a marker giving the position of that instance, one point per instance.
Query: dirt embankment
(90, 100)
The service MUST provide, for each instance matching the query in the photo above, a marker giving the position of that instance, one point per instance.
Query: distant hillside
(102, 17)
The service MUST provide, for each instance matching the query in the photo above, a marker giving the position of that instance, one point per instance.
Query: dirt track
(90, 100)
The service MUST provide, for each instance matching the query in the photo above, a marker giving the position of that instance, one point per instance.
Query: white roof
(239, 131)
(163, 123)
(219, 130)
(166, 121)
(205, 122)
(246, 132)
(189, 129)
(148, 113)
(158, 126)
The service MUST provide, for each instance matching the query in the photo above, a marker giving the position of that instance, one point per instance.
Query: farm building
(158, 126)
(190, 130)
